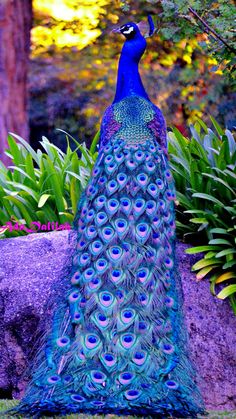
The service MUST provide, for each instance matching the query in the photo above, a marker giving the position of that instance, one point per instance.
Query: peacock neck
(129, 82)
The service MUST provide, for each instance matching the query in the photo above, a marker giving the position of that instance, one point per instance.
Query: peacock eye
(128, 30)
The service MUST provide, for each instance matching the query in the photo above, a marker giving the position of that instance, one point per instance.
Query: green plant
(204, 168)
(42, 186)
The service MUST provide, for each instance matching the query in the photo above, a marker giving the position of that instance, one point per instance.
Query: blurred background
(58, 64)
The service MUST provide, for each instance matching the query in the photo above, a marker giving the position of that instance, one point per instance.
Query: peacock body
(117, 343)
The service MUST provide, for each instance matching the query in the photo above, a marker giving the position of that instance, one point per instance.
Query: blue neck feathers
(128, 80)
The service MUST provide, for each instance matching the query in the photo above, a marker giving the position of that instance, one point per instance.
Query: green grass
(6, 404)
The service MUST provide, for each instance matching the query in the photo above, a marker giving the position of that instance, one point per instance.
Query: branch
(211, 29)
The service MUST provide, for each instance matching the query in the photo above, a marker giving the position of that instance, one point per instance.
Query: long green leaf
(15, 151)
(55, 183)
(18, 169)
(219, 130)
(230, 289)
(217, 179)
(21, 205)
(203, 125)
(218, 230)
(95, 142)
(43, 199)
(205, 271)
(219, 241)
(208, 198)
(27, 146)
(229, 264)
(198, 220)
(200, 249)
(21, 187)
(225, 252)
(30, 168)
(184, 200)
(225, 277)
(204, 262)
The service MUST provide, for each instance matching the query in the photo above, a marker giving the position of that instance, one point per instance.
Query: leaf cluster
(204, 168)
(214, 20)
(42, 186)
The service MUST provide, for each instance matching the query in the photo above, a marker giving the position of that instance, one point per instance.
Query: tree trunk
(15, 25)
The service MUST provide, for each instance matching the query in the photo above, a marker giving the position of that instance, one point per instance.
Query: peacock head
(135, 34)
(133, 30)
(130, 30)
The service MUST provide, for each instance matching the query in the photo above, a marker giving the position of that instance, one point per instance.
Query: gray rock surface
(32, 270)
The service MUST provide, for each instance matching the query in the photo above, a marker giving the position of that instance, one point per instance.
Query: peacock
(118, 342)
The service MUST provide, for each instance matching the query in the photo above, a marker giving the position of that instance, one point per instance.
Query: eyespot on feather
(132, 394)
(127, 315)
(109, 359)
(98, 376)
(127, 340)
(100, 201)
(101, 265)
(91, 341)
(76, 278)
(121, 226)
(77, 398)
(106, 298)
(139, 357)
(126, 377)
(53, 379)
(90, 232)
(171, 384)
(101, 218)
(63, 342)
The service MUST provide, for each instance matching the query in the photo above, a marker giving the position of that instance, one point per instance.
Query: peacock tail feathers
(117, 340)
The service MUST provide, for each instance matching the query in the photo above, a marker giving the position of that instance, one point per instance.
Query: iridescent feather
(118, 341)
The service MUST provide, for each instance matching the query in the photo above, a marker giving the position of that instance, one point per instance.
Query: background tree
(185, 19)
(15, 24)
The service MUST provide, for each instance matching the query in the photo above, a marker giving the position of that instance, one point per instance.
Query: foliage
(42, 186)
(204, 169)
(71, 23)
(178, 20)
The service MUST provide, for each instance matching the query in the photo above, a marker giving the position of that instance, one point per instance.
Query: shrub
(43, 186)
(204, 168)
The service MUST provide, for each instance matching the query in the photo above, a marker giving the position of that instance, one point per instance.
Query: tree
(15, 25)
(185, 19)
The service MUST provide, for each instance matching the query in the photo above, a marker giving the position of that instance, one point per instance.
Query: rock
(34, 271)
(212, 341)
(31, 272)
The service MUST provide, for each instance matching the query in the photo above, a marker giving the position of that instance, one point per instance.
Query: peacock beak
(116, 30)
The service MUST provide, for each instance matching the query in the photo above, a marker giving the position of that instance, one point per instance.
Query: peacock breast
(128, 120)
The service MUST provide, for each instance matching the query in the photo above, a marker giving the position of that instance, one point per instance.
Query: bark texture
(15, 25)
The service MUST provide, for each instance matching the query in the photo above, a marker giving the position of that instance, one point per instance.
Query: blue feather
(117, 342)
